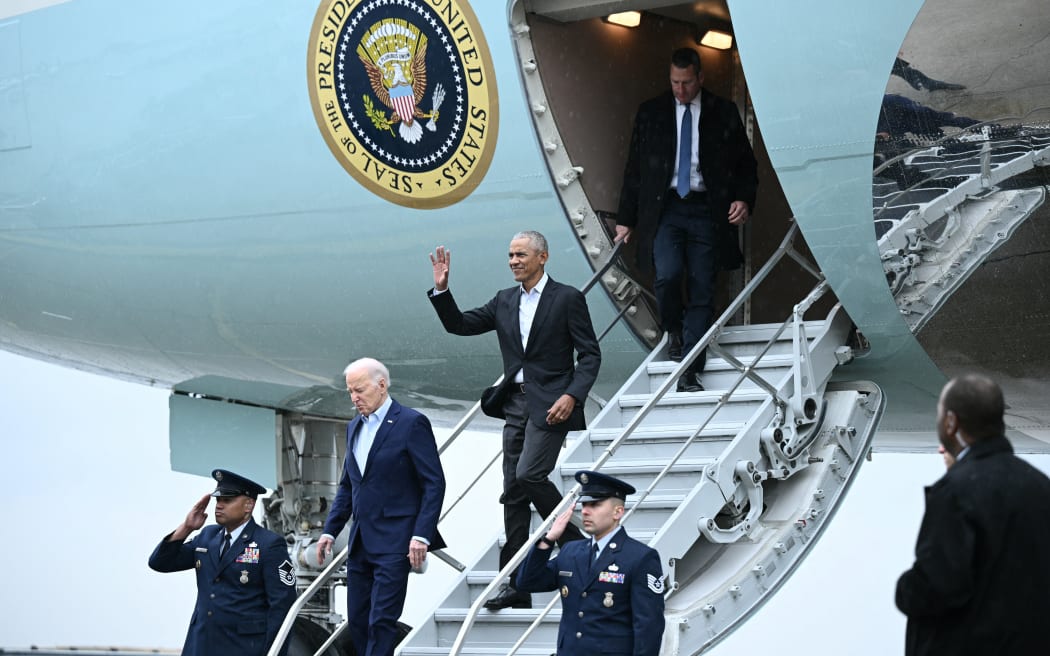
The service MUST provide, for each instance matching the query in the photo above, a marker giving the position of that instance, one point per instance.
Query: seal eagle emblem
(394, 55)
(404, 94)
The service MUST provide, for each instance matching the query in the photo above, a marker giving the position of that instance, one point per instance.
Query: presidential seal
(404, 94)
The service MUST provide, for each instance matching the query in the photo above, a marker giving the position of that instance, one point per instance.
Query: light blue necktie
(685, 153)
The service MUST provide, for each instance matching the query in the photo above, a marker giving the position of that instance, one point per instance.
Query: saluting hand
(440, 262)
(195, 519)
(558, 527)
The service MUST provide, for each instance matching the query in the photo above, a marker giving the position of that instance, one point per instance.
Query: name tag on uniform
(249, 556)
(564, 573)
(201, 549)
(611, 577)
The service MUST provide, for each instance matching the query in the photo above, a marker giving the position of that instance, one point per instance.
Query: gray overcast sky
(89, 494)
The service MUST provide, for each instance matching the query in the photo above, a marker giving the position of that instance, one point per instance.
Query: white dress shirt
(528, 301)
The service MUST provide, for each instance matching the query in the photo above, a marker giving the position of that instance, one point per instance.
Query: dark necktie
(685, 153)
(225, 545)
(594, 555)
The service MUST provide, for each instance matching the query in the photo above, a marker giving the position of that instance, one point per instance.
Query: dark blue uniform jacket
(241, 599)
(616, 607)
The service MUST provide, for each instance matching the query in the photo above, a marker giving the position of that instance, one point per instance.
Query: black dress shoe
(674, 347)
(508, 597)
(690, 382)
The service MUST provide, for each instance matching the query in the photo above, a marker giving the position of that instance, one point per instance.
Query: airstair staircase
(941, 208)
(734, 483)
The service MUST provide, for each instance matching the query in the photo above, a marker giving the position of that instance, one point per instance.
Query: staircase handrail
(305, 596)
(973, 129)
(955, 135)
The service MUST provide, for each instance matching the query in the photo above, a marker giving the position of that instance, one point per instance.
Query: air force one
(234, 199)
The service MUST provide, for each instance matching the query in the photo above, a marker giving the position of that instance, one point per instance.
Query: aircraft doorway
(585, 77)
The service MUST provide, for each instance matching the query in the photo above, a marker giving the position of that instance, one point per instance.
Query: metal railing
(975, 130)
(785, 249)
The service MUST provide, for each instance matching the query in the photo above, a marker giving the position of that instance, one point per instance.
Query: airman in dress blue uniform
(612, 603)
(245, 586)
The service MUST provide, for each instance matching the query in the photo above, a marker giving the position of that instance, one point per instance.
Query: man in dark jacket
(540, 323)
(981, 579)
(690, 181)
(392, 488)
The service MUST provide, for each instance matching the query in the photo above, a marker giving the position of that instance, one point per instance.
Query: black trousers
(686, 247)
(529, 456)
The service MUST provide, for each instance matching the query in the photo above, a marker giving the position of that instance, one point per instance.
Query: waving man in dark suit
(539, 323)
(392, 487)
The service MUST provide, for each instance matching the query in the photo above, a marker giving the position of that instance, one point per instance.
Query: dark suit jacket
(981, 579)
(726, 162)
(627, 574)
(399, 494)
(561, 324)
(242, 598)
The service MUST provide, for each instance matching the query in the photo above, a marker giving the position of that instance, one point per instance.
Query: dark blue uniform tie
(685, 153)
(225, 545)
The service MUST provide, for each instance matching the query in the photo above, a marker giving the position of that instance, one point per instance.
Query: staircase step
(666, 433)
(640, 473)
(664, 441)
(501, 628)
(769, 361)
(476, 651)
(682, 407)
(719, 374)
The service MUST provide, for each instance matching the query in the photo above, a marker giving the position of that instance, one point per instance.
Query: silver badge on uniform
(244, 576)
(613, 568)
(286, 572)
(608, 601)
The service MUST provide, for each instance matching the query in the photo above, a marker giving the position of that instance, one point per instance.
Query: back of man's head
(977, 402)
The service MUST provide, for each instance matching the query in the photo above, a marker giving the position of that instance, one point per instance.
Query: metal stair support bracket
(854, 412)
(721, 480)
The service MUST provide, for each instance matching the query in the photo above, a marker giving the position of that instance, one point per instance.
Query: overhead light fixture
(625, 18)
(717, 40)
